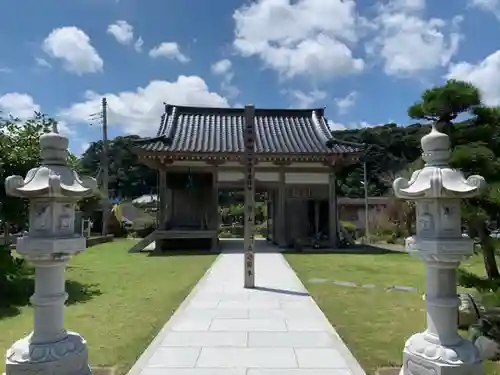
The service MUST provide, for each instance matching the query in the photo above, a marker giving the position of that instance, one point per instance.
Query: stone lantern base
(423, 357)
(68, 356)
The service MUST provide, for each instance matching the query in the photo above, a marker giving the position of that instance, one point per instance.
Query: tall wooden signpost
(249, 196)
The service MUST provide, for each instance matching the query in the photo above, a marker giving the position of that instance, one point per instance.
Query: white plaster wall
(267, 176)
(223, 176)
(306, 178)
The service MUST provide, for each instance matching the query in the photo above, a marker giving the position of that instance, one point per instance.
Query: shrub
(350, 228)
(225, 234)
(261, 229)
(13, 272)
(467, 279)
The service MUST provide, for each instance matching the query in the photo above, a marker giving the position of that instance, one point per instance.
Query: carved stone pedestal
(68, 356)
(423, 356)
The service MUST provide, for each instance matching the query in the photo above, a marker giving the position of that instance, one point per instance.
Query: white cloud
(139, 111)
(336, 125)
(169, 50)
(84, 146)
(23, 106)
(42, 62)
(492, 6)
(222, 67)
(306, 100)
(17, 104)
(123, 32)
(345, 104)
(304, 37)
(364, 124)
(138, 44)
(351, 125)
(485, 75)
(408, 43)
(64, 129)
(73, 47)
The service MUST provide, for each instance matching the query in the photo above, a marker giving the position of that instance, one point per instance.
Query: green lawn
(118, 301)
(373, 322)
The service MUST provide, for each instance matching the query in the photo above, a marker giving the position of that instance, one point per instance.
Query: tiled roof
(221, 130)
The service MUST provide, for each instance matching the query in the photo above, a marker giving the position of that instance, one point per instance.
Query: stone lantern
(437, 190)
(52, 190)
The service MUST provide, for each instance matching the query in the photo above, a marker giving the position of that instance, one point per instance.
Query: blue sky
(365, 60)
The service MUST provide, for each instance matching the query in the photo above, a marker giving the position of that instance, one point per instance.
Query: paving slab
(224, 329)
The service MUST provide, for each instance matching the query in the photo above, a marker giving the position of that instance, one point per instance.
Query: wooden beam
(283, 163)
(222, 168)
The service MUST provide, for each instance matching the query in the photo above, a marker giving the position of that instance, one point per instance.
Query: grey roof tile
(220, 130)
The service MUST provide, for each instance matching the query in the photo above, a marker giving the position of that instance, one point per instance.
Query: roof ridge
(238, 110)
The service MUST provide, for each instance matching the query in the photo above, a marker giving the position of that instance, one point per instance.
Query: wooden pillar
(333, 232)
(249, 159)
(281, 211)
(274, 215)
(162, 196)
(269, 215)
(162, 214)
(215, 220)
(316, 218)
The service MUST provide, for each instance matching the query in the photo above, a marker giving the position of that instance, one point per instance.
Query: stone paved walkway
(224, 329)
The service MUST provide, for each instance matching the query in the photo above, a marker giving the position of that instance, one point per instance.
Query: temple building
(199, 152)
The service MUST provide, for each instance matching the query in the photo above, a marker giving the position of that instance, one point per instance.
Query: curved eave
(354, 147)
(410, 193)
(31, 192)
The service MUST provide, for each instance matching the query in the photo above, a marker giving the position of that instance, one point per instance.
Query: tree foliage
(19, 152)
(128, 178)
(445, 103)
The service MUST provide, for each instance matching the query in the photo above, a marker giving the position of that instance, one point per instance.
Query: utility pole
(105, 168)
(103, 173)
(367, 221)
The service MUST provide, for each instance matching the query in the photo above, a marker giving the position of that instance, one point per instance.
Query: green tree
(128, 178)
(19, 152)
(443, 105)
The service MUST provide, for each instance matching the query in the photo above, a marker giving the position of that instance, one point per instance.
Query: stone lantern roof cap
(54, 178)
(435, 146)
(437, 179)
